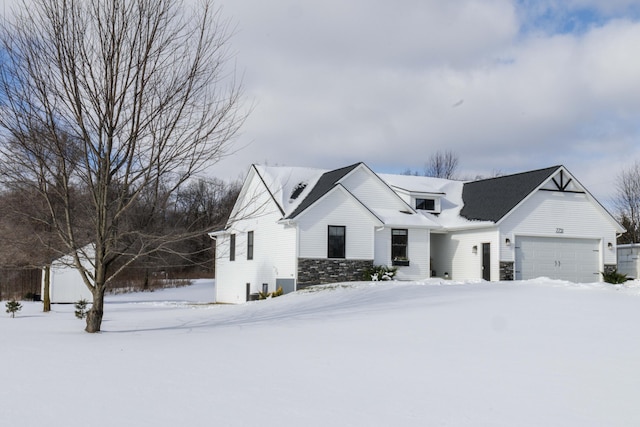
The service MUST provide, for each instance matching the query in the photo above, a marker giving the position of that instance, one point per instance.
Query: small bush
(13, 307)
(380, 272)
(276, 293)
(81, 309)
(614, 277)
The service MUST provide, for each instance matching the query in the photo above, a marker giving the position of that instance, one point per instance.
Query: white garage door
(576, 260)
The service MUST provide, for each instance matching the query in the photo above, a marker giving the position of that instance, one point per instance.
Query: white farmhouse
(295, 227)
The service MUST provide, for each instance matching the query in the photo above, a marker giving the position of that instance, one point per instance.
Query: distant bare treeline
(27, 242)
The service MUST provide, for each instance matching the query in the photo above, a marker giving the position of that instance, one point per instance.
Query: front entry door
(486, 261)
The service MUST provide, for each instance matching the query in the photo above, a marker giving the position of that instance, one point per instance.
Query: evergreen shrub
(13, 307)
(380, 272)
(614, 277)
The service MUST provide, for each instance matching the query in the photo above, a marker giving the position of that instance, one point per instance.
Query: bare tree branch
(442, 164)
(125, 100)
(627, 202)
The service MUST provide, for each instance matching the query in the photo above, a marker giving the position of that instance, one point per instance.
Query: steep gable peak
(563, 181)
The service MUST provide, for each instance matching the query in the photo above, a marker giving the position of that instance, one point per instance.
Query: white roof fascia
(416, 192)
(214, 234)
(473, 225)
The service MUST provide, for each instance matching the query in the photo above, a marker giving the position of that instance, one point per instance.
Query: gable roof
(288, 186)
(491, 199)
(327, 181)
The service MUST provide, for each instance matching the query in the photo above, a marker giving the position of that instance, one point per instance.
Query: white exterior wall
(453, 253)
(336, 209)
(371, 191)
(418, 252)
(559, 214)
(66, 284)
(274, 254)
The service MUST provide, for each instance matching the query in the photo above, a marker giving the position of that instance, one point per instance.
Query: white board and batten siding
(561, 235)
(273, 252)
(339, 209)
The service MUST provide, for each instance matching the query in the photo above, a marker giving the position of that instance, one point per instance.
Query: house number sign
(559, 230)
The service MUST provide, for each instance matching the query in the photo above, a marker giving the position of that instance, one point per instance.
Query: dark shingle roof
(326, 182)
(491, 199)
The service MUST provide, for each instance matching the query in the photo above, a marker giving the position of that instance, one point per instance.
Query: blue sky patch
(552, 17)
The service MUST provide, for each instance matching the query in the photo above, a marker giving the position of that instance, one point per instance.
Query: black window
(399, 240)
(336, 244)
(426, 204)
(232, 247)
(250, 245)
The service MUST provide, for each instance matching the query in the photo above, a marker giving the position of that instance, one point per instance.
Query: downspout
(215, 248)
(297, 256)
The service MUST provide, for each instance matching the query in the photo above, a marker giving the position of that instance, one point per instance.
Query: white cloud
(468, 81)
(389, 83)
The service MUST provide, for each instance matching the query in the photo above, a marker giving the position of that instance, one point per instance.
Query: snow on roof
(450, 193)
(415, 184)
(393, 217)
(289, 185)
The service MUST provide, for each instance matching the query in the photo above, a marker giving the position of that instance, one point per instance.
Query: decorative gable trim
(579, 188)
(563, 179)
(563, 182)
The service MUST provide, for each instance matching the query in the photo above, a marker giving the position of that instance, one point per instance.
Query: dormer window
(297, 190)
(426, 205)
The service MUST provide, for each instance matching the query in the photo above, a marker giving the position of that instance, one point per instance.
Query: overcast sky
(507, 85)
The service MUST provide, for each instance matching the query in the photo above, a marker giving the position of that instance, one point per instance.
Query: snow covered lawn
(536, 353)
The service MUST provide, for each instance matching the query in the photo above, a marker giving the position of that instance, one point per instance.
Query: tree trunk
(94, 315)
(46, 297)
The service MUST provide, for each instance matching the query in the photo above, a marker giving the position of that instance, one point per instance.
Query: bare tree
(442, 164)
(27, 242)
(142, 91)
(627, 202)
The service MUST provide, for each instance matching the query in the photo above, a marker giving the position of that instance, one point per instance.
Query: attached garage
(575, 260)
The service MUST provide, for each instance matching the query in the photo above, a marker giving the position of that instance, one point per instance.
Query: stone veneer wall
(314, 271)
(506, 270)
